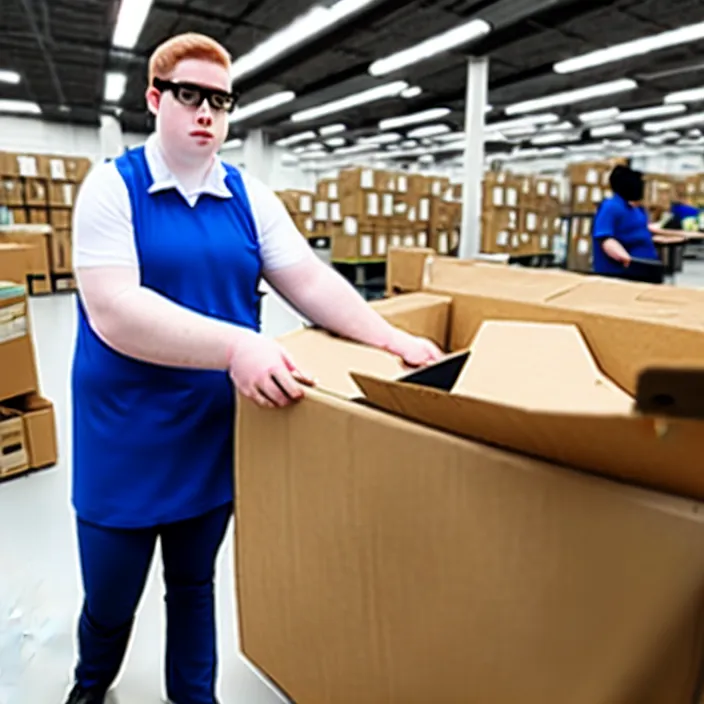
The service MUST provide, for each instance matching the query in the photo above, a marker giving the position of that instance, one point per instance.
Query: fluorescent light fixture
(301, 30)
(621, 143)
(428, 131)
(600, 115)
(356, 149)
(259, 106)
(232, 144)
(426, 159)
(526, 153)
(130, 22)
(662, 138)
(675, 124)
(64, 108)
(20, 106)
(388, 138)
(579, 148)
(627, 50)
(554, 138)
(336, 142)
(686, 96)
(520, 131)
(114, 86)
(296, 139)
(332, 129)
(416, 118)
(412, 92)
(656, 111)
(552, 151)
(409, 144)
(315, 147)
(451, 137)
(559, 127)
(527, 121)
(387, 90)
(608, 130)
(694, 133)
(313, 155)
(9, 77)
(465, 33)
(299, 150)
(578, 95)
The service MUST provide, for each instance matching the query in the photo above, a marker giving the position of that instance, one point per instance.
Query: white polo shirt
(103, 234)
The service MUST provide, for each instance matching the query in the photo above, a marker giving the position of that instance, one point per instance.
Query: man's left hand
(414, 351)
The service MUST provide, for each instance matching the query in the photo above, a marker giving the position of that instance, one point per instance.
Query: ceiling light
(526, 153)
(656, 111)
(426, 159)
(296, 139)
(355, 149)
(409, 144)
(302, 29)
(20, 106)
(554, 138)
(552, 151)
(451, 137)
(560, 127)
(600, 115)
(676, 123)
(569, 97)
(686, 96)
(130, 22)
(64, 108)
(577, 148)
(387, 90)
(315, 147)
(621, 143)
(520, 131)
(263, 105)
(637, 47)
(662, 138)
(313, 155)
(416, 118)
(412, 92)
(465, 33)
(332, 129)
(694, 133)
(608, 131)
(114, 86)
(9, 77)
(336, 142)
(388, 138)
(428, 131)
(527, 121)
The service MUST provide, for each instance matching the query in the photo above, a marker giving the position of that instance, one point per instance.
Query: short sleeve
(282, 245)
(102, 221)
(604, 225)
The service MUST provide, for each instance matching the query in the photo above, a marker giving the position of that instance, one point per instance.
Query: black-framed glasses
(192, 95)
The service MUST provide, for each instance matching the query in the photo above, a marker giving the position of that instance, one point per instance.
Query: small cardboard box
(11, 191)
(14, 456)
(18, 373)
(37, 416)
(62, 195)
(36, 192)
(61, 252)
(14, 262)
(38, 238)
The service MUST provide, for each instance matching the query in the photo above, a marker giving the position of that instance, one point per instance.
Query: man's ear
(153, 99)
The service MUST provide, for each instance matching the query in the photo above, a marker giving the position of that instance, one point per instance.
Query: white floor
(39, 576)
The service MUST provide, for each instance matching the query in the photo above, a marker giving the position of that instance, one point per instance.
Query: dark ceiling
(62, 50)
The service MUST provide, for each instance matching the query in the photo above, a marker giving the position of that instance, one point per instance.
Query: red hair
(186, 46)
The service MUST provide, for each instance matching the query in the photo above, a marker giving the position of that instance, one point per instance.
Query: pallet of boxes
(27, 420)
(520, 215)
(299, 206)
(589, 186)
(37, 194)
(366, 212)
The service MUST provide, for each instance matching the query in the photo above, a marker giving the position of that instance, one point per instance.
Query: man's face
(191, 133)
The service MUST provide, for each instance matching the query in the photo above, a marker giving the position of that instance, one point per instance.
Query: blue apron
(151, 444)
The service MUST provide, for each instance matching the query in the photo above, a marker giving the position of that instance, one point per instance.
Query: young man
(170, 245)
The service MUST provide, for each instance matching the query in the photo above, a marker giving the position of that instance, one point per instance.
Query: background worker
(170, 247)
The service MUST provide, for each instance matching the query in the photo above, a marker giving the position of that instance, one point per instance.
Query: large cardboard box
(14, 262)
(14, 456)
(405, 268)
(11, 192)
(18, 373)
(38, 238)
(39, 424)
(381, 560)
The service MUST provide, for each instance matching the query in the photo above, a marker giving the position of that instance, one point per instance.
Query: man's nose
(205, 115)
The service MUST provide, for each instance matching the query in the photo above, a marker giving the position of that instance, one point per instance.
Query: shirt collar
(164, 180)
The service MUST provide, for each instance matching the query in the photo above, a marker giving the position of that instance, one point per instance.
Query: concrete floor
(39, 577)
(39, 573)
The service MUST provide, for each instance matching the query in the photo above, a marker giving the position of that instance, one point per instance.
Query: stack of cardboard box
(660, 193)
(299, 205)
(520, 214)
(40, 190)
(27, 423)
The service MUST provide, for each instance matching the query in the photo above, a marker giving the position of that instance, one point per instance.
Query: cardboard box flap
(539, 367)
(423, 314)
(330, 361)
(674, 392)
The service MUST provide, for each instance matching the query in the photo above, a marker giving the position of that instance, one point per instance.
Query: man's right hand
(264, 372)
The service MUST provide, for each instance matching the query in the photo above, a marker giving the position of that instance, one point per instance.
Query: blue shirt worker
(621, 231)
(170, 247)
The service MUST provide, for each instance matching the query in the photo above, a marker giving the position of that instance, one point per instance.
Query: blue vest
(153, 444)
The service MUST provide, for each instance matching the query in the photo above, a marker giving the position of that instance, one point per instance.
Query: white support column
(258, 156)
(112, 144)
(475, 110)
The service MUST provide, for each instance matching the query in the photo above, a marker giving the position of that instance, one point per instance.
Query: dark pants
(115, 564)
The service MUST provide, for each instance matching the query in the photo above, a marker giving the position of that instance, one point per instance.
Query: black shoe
(85, 696)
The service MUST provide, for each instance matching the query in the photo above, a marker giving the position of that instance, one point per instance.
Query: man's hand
(617, 251)
(264, 372)
(414, 351)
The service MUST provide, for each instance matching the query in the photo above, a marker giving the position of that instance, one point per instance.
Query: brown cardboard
(61, 252)
(37, 216)
(19, 216)
(11, 192)
(60, 218)
(427, 568)
(38, 238)
(62, 195)
(36, 192)
(18, 374)
(39, 423)
(404, 269)
(14, 262)
(14, 456)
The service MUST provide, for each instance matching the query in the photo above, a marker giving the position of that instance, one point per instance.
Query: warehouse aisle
(39, 589)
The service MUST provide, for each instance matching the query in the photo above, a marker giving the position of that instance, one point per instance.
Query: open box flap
(674, 392)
